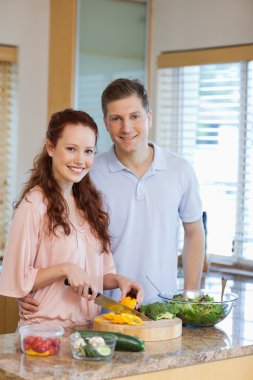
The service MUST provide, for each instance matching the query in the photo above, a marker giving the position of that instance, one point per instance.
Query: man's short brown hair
(123, 88)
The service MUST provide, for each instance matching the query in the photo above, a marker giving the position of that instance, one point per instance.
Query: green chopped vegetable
(206, 314)
(199, 311)
(158, 310)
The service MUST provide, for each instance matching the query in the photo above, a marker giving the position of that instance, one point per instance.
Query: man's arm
(193, 254)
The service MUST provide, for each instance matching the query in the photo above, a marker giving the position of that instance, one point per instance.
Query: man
(146, 192)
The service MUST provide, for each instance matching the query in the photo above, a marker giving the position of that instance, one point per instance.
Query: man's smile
(127, 137)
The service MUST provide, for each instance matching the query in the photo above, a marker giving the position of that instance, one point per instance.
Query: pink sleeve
(109, 266)
(18, 273)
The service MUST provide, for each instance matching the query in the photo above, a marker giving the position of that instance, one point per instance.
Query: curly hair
(87, 198)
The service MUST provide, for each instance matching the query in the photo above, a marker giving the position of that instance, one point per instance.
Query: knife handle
(132, 293)
(67, 283)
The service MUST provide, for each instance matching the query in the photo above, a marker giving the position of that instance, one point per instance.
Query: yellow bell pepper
(129, 302)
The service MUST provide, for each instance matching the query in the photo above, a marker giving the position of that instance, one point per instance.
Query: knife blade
(111, 304)
(117, 307)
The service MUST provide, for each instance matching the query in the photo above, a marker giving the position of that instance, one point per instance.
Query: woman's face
(73, 154)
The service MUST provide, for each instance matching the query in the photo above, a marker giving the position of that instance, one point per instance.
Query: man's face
(128, 124)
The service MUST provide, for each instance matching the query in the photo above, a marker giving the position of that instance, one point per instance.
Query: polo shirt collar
(159, 162)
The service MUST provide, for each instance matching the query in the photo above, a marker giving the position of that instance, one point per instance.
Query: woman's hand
(79, 281)
(126, 285)
(27, 305)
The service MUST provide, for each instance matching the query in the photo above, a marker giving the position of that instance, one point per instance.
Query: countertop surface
(231, 338)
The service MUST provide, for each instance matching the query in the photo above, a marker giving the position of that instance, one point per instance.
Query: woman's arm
(18, 274)
(49, 275)
(113, 281)
(78, 279)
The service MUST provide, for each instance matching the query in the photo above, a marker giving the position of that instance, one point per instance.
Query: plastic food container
(92, 347)
(41, 339)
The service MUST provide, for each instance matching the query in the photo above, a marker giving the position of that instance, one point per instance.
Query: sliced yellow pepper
(31, 352)
(123, 319)
(129, 302)
(132, 319)
(114, 318)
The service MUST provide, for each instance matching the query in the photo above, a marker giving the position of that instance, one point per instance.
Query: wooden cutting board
(149, 331)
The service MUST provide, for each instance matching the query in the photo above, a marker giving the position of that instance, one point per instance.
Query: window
(110, 46)
(205, 113)
(7, 162)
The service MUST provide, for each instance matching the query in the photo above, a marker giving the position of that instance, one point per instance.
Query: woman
(60, 231)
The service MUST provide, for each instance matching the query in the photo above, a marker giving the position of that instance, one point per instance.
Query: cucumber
(124, 342)
(90, 351)
(82, 350)
(128, 343)
(104, 350)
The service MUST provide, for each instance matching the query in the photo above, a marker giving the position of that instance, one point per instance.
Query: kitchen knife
(110, 304)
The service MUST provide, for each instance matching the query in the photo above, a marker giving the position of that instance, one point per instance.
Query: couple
(60, 228)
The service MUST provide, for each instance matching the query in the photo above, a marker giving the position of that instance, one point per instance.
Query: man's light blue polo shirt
(145, 214)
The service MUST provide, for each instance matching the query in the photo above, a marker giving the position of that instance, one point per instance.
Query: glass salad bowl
(199, 308)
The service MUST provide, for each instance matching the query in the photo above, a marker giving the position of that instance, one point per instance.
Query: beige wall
(25, 23)
(191, 24)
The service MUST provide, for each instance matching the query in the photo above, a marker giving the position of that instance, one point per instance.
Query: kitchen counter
(228, 346)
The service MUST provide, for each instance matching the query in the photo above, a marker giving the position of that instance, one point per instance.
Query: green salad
(198, 311)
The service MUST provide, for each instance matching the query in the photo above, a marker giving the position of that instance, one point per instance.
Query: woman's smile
(76, 169)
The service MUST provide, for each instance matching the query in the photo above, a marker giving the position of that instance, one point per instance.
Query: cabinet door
(9, 315)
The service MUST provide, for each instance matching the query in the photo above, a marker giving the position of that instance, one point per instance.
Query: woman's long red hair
(87, 198)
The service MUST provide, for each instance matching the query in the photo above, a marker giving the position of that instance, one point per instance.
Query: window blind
(8, 58)
(204, 113)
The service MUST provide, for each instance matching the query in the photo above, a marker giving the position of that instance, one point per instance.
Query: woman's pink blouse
(30, 248)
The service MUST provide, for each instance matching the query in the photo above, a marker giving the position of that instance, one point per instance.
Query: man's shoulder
(101, 158)
(99, 172)
(171, 157)
(176, 158)
(100, 162)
